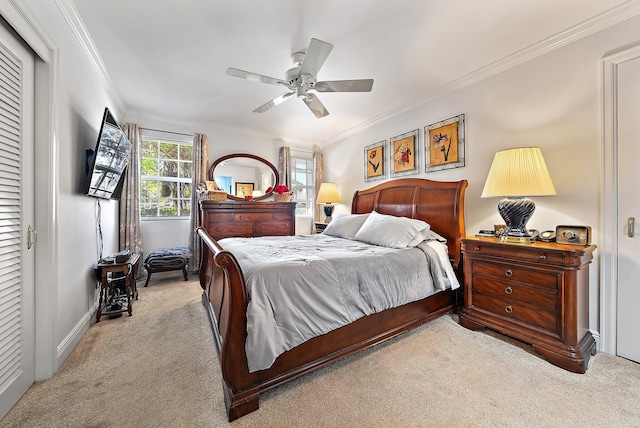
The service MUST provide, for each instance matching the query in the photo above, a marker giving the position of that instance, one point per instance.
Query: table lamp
(516, 174)
(328, 195)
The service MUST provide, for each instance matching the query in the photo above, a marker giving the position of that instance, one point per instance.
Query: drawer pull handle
(477, 248)
(508, 290)
(508, 272)
(543, 257)
(508, 309)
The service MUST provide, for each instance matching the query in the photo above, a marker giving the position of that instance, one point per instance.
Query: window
(302, 183)
(165, 178)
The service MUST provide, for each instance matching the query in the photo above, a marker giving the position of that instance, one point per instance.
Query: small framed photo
(404, 154)
(244, 189)
(498, 229)
(444, 144)
(374, 161)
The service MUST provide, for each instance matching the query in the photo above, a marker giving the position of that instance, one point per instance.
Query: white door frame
(609, 208)
(18, 15)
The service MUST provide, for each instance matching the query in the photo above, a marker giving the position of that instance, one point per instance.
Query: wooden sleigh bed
(441, 204)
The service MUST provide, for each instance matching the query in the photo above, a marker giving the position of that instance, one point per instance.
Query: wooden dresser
(537, 293)
(247, 219)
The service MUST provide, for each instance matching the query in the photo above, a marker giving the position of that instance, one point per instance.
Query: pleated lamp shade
(328, 194)
(518, 172)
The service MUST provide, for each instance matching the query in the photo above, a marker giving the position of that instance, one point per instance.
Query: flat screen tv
(110, 159)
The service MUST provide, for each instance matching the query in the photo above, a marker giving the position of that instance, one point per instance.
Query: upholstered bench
(167, 259)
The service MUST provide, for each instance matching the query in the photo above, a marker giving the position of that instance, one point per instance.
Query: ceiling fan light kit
(302, 78)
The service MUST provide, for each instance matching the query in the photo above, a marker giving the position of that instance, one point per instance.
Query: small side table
(320, 226)
(104, 272)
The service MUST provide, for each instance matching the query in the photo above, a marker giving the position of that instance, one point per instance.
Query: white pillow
(426, 235)
(345, 225)
(391, 231)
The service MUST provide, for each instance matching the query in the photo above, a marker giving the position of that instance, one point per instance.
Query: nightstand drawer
(518, 252)
(516, 294)
(504, 272)
(519, 311)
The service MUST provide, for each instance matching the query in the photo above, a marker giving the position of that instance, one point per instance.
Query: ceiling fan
(301, 79)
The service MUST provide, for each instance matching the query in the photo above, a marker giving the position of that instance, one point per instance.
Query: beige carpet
(158, 368)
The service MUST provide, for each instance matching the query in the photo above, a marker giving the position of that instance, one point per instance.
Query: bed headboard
(439, 203)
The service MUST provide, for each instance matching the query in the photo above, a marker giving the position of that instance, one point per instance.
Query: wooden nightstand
(537, 293)
(320, 226)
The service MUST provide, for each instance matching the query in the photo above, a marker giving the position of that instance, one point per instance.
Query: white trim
(21, 19)
(604, 20)
(73, 338)
(609, 208)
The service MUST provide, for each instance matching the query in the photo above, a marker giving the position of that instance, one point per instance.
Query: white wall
(553, 101)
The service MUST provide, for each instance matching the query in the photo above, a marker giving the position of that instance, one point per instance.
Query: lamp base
(516, 212)
(328, 212)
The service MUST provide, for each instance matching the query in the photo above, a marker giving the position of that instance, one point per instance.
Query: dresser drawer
(227, 230)
(282, 216)
(502, 271)
(273, 229)
(252, 216)
(510, 293)
(533, 316)
(218, 217)
(526, 254)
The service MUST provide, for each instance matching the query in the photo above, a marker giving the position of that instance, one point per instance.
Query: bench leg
(184, 272)
(148, 277)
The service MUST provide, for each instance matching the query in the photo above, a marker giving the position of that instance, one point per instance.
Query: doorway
(620, 291)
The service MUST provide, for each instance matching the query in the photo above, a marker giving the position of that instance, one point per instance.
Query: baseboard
(73, 338)
(596, 337)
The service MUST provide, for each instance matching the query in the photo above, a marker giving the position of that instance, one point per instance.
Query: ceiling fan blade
(361, 85)
(315, 106)
(274, 102)
(316, 54)
(254, 76)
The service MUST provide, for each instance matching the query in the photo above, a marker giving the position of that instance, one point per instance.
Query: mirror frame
(245, 155)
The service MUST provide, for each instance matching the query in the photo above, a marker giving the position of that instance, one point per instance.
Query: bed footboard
(225, 298)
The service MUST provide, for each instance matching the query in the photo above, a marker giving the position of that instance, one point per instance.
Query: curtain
(130, 226)
(284, 166)
(318, 176)
(198, 175)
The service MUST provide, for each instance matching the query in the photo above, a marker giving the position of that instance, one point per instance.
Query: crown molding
(71, 16)
(586, 28)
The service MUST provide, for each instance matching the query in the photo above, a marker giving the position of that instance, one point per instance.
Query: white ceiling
(168, 58)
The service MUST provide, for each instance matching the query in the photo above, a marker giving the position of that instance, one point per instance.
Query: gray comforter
(304, 286)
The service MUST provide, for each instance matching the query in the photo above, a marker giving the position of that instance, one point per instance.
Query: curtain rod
(166, 132)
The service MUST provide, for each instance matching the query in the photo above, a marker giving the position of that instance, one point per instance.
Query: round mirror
(242, 175)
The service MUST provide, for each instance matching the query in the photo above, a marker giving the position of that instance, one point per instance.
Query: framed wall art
(404, 154)
(374, 161)
(244, 189)
(444, 144)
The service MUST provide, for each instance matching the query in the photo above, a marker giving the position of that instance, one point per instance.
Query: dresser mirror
(242, 175)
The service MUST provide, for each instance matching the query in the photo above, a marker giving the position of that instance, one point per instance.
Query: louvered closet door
(16, 215)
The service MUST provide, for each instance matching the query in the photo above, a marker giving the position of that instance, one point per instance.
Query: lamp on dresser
(328, 195)
(516, 174)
